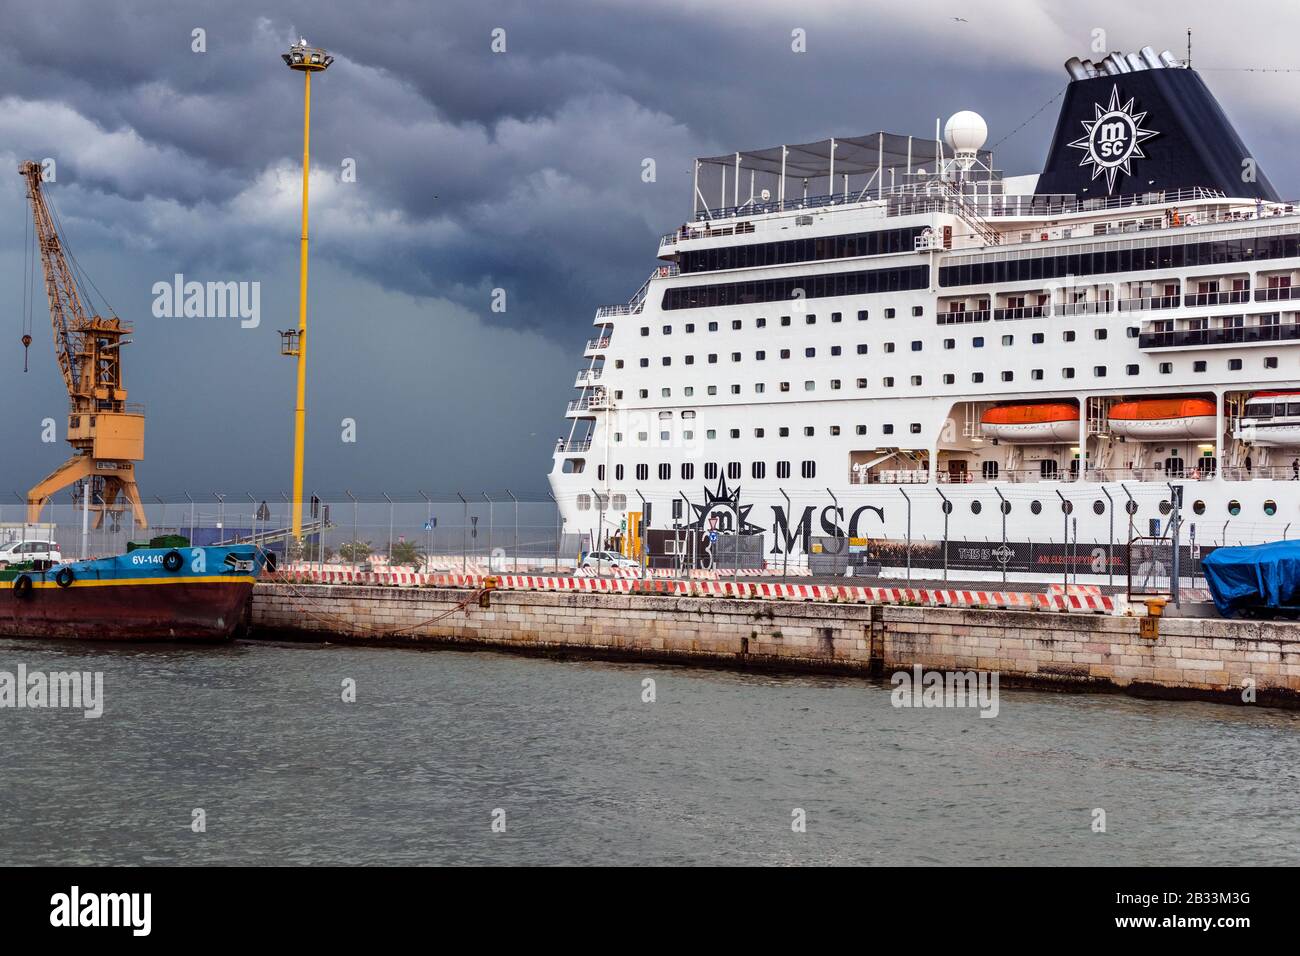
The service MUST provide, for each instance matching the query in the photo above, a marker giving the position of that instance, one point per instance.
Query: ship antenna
(1189, 48)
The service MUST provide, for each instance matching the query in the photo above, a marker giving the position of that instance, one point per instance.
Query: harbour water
(259, 737)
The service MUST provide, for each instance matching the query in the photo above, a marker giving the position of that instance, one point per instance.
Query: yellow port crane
(106, 434)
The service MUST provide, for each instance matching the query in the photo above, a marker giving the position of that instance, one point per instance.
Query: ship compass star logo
(720, 511)
(1113, 139)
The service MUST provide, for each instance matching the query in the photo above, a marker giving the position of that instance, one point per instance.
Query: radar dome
(966, 131)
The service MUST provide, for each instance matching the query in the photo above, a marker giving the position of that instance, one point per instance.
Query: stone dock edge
(1229, 661)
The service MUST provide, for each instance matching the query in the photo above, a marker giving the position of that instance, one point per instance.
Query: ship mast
(107, 435)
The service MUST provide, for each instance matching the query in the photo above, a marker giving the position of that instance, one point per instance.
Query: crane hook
(27, 340)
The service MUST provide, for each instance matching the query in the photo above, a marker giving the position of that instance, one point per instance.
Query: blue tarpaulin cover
(1259, 575)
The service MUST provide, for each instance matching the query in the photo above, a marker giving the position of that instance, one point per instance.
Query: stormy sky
(475, 170)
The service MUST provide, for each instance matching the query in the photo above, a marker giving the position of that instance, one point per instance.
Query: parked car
(16, 552)
(605, 560)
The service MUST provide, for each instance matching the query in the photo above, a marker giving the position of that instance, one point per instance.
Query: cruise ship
(883, 346)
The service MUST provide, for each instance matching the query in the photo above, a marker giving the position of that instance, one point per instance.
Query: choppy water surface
(257, 735)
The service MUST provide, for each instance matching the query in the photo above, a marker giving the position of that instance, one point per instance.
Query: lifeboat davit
(1050, 423)
(1164, 419)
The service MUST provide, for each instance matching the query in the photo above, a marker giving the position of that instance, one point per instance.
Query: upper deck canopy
(855, 166)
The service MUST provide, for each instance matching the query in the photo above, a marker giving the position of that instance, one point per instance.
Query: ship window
(808, 469)
(667, 360)
(989, 469)
(785, 353)
(835, 350)
(712, 390)
(785, 320)
(862, 348)
(1198, 507)
(1234, 507)
(918, 310)
(1099, 507)
(760, 323)
(689, 390)
(1008, 340)
(689, 359)
(1131, 369)
(620, 502)
(618, 439)
(810, 352)
(1099, 371)
(1036, 506)
(783, 469)
(809, 431)
(783, 431)
(835, 385)
(1234, 365)
(784, 387)
(574, 466)
(887, 429)
(643, 437)
(1199, 366)
(889, 313)
(1067, 372)
(618, 393)
(977, 377)
(1047, 468)
(733, 470)
(1270, 361)
(977, 342)
(950, 343)
(733, 433)
(1099, 334)
(735, 323)
(618, 363)
(1067, 335)
(915, 428)
(759, 388)
(758, 433)
(645, 330)
(862, 315)
(618, 472)
(584, 502)
(887, 381)
(665, 472)
(916, 380)
(976, 507)
(810, 319)
(735, 356)
(889, 347)
(711, 434)
(600, 472)
(949, 378)
(690, 327)
(760, 355)
(1037, 338)
(688, 471)
(916, 345)
(1166, 368)
(837, 316)
(862, 383)
(713, 358)
(735, 390)
(1133, 331)
(861, 429)
(835, 429)
(1036, 374)
(710, 470)
(643, 393)
(645, 363)
(809, 386)
(758, 470)
(1270, 507)
(713, 326)
(668, 330)
(642, 472)
(1008, 376)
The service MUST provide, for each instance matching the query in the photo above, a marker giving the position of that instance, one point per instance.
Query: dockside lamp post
(306, 60)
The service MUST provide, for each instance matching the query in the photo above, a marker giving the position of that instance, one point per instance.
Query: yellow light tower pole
(307, 60)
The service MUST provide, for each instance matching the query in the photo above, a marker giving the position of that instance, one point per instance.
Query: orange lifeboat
(1050, 423)
(1164, 419)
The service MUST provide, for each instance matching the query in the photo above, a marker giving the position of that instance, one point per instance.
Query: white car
(16, 552)
(604, 560)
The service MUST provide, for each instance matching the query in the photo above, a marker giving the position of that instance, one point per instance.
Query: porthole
(1067, 507)
(1131, 507)
(1165, 507)
(975, 507)
(1099, 507)
(1270, 507)
(1006, 507)
(1234, 507)
(1198, 506)
(1036, 506)
(947, 507)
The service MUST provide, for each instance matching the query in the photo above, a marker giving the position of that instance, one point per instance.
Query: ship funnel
(1151, 59)
(1074, 66)
(1121, 64)
(1135, 62)
(1169, 60)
